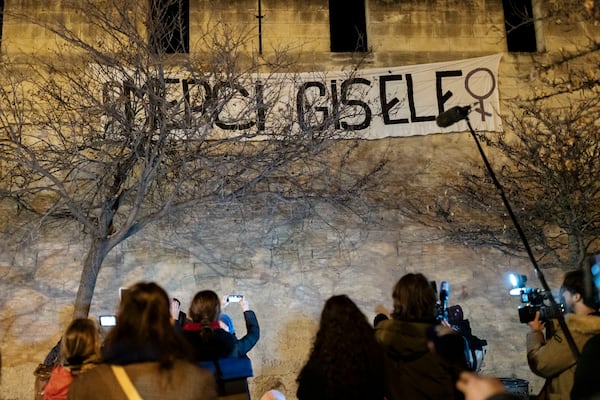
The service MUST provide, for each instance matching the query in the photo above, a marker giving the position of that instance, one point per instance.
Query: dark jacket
(586, 385)
(314, 385)
(412, 371)
(180, 321)
(218, 345)
(245, 344)
(503, 396)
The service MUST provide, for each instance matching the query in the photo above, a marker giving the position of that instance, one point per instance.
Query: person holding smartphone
(144, 356)
(204, 333)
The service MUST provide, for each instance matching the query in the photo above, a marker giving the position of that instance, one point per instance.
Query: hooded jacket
(552, 358)
(412, 371)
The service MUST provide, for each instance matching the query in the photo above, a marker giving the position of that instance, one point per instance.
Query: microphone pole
(538, 271)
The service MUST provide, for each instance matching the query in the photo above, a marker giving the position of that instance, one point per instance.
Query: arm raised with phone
(246, 343)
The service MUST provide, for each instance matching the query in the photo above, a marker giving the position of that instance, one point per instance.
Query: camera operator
(412, 370)
(549, 355)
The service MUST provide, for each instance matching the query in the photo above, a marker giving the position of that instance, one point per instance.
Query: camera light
(517, 281)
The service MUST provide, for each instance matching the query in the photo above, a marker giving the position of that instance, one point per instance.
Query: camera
(474, 347)
(535, 300)
(234, 298)
(441, 306)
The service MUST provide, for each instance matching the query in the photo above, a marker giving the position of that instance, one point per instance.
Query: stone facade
(286, 269)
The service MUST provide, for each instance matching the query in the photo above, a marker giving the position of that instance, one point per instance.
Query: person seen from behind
(204, 332)
(413, 368)
(179, 317)
(144, 350)
(551, 357)
(79, 351)
(345, 362)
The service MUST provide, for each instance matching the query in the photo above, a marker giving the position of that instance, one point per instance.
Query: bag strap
(126, 384)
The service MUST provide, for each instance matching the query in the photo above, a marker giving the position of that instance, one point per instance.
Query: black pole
(538, 271)
(260, 17)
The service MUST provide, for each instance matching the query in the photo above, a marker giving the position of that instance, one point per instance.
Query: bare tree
(546, 162)
(124, 125)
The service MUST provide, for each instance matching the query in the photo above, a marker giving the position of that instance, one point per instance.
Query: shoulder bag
(126, 384)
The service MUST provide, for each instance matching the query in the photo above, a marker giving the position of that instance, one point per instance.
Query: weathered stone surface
(286, 282)
(286, 269)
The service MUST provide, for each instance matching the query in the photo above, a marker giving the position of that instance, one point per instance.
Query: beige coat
(184, 381)
(552, 359)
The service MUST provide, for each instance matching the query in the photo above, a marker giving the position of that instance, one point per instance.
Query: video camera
(535, 300)
(451, 314)
(474, 347)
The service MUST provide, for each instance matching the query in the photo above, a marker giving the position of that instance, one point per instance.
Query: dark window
(520, 30)
(170, 26)
(347, 25)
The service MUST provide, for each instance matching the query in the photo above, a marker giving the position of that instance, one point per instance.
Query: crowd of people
(153, 351)
(156, 351)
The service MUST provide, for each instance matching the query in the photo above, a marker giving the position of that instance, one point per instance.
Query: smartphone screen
(234, 298)
(108, 320)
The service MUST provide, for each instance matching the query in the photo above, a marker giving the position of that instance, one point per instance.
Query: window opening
(519, 24)
(170, 28)
(347, 25)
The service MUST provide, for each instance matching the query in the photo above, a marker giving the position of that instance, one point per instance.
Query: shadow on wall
(292, 343)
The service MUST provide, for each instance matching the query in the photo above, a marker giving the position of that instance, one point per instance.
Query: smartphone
(234, 298)
(108, 320)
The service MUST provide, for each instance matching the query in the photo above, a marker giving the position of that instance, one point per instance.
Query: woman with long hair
(153, 355)
(204, 333)
(414, 370)
(345, 363)
(79, 351)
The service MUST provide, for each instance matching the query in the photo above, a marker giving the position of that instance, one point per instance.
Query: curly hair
(414, 299)
(344, 344)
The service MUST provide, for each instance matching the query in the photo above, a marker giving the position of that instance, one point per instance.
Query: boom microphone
(452, 116)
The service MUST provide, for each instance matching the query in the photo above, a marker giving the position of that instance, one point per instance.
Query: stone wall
(286, 266)
(287, 271)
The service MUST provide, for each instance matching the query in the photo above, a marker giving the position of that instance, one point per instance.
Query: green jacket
(552, 359)
(412, 371)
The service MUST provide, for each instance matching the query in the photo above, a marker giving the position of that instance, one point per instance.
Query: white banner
(369, 103)
(404, 101)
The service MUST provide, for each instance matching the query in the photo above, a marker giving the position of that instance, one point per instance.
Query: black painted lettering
(335, 104)
(441, 96)
(238, 125)
(356, 103)
(303, 111)
(259, 88)
(197, 96)
(411, 103)
(385, 105)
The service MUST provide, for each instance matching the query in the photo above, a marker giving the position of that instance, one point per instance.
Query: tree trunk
(577, 250)
(98, 250)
